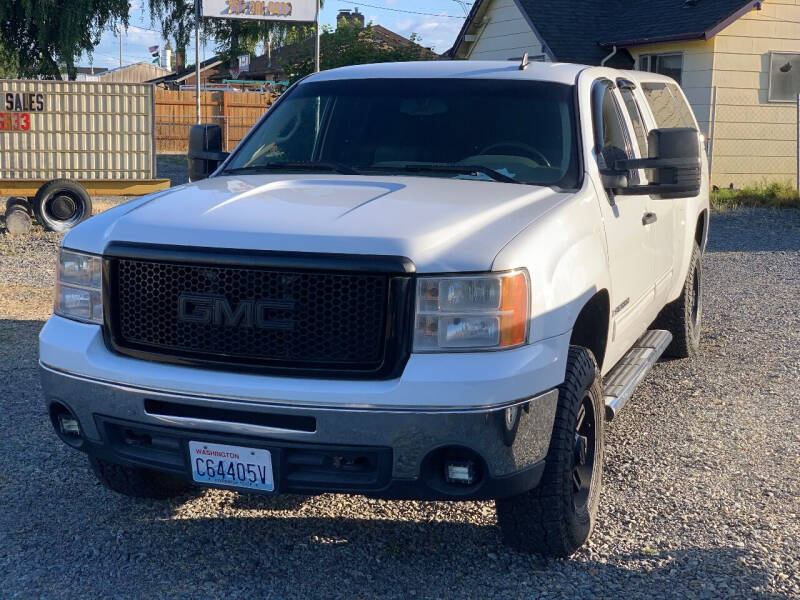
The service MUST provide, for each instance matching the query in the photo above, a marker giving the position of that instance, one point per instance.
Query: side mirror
(675, 163)
(205, 150)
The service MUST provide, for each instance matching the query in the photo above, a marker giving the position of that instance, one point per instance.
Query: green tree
(353, 45)
(43, 37)
(8, 64)
(232, 37)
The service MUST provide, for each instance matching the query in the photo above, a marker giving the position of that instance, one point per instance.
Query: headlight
(471, 312)
(78, 286)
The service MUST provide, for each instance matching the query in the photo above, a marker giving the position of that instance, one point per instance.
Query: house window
(784, 76)
(670, 65)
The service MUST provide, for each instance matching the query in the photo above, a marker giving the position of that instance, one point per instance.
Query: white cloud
(137, 35)
(438, 32)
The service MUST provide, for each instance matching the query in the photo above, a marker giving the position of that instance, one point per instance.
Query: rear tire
(683, 317)
(558, 516)
(137, 482)
(61, 204)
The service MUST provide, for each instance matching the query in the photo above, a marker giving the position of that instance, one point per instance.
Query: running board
(628, 373)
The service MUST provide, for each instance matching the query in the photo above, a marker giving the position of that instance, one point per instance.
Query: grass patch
(769, 195)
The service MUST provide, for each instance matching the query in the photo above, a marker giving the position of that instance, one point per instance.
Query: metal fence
(77, 130)
(752, 141)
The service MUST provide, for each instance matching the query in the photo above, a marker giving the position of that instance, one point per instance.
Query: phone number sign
(19, 106)
(15, 121)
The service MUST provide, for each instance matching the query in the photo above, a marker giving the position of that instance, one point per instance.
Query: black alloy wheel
(584, 454)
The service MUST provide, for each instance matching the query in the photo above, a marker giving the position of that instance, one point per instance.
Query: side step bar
(628, 373)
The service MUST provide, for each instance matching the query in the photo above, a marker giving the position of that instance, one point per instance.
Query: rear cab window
(668, 105)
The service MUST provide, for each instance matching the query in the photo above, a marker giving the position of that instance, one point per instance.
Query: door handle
(648, 218)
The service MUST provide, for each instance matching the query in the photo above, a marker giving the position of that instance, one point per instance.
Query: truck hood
(441, 224)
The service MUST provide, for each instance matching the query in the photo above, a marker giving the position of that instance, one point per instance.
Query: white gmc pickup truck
(418, 280)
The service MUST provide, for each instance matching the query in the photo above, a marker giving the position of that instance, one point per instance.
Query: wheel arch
(701, 230)
(592, 324)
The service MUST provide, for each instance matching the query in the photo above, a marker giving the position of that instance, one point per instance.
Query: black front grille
(255, 315)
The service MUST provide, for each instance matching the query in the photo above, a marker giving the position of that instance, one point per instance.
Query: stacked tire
(59, 205)
(18, 216)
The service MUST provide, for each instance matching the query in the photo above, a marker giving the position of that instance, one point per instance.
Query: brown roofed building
(270, 67)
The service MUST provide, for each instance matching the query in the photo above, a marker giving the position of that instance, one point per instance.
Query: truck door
(628, 229)
(666, 211)
(660, 213)
(668, 108)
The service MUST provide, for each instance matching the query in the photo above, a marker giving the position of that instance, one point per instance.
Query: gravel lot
(701, 499)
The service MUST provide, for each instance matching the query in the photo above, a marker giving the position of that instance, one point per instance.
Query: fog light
(461, 472)
(69, 425)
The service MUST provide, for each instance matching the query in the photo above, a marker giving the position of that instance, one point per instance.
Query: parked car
(419, 280)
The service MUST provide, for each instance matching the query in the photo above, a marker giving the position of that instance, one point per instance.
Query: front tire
(137, 482)
(683, 317)
(558, 516)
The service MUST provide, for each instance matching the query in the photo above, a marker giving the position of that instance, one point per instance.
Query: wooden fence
(235, 112)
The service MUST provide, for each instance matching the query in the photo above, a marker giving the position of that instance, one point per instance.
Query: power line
(411, 12)
(464, 6)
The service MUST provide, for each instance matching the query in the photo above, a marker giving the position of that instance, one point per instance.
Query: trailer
(63, 141)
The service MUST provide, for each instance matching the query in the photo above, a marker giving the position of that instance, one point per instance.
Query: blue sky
(437, 28)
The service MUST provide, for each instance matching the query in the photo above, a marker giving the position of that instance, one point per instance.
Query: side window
(610, 134)
(636, 119)
(668, 106)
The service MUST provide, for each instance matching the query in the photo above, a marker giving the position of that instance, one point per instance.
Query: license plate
(249, 468)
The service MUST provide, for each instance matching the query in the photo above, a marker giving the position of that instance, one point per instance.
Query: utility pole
(197, 58)
(120, 47)
(316, 42)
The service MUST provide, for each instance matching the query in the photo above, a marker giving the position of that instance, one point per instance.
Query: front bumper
(397, 453)
(439, 401)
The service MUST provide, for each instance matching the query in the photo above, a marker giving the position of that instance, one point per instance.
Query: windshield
(511, 131)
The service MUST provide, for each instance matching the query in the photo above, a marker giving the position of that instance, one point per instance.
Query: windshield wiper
(313, 165)
(450, 168)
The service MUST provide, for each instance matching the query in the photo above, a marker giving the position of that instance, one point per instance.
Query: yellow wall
(754, 140)
(698, 58)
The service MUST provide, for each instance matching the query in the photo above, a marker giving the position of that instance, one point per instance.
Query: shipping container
(97, 135)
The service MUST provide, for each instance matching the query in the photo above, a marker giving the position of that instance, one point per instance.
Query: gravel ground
(701, 498)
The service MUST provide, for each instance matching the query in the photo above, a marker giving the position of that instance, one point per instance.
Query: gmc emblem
(216, 310)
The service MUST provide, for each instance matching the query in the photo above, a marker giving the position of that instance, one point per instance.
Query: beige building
(738, 63)
(134, 73)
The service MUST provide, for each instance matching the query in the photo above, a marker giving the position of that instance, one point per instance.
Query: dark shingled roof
(583, 31)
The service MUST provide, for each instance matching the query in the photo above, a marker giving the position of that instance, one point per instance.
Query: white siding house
(504, 33)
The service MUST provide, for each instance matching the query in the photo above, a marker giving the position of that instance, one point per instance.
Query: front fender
(566, 255)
